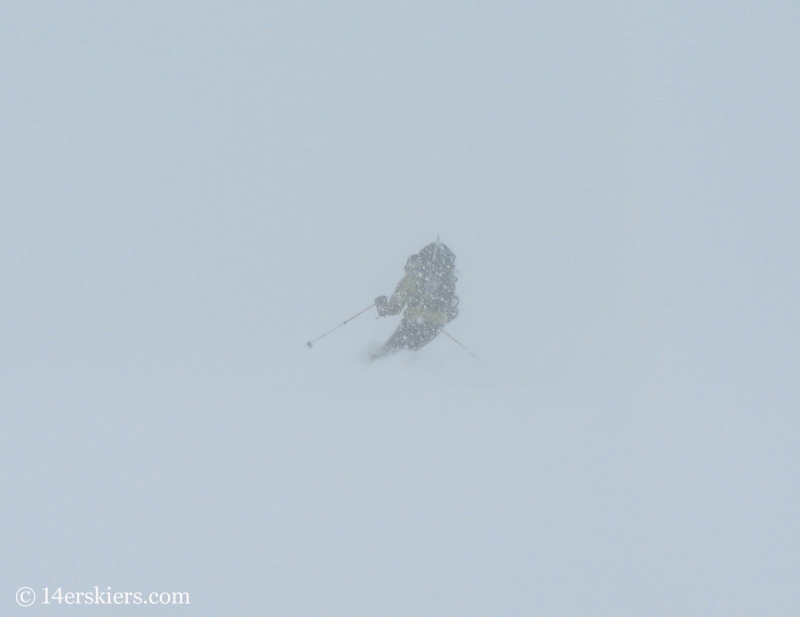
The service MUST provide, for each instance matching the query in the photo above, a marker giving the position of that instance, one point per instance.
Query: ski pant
(410, 334)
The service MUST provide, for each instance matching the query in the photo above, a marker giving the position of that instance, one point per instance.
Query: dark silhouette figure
(428, 293)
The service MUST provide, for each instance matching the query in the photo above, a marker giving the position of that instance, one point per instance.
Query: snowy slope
(191, 194)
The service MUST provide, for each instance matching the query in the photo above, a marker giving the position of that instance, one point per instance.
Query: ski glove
(380, 304)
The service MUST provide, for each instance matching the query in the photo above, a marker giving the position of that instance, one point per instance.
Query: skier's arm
(402, 293)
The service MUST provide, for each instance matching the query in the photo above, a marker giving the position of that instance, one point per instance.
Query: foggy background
(191, 191)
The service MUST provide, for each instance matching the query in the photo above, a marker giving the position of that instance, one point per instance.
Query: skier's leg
(399, 340)
(422, 334)
(409, 335)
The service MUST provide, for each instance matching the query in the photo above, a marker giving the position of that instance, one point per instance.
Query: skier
(428, 293)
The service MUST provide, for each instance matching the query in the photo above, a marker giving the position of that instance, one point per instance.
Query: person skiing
(428, 293)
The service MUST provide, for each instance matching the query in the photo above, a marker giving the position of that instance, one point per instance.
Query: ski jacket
(429, 300)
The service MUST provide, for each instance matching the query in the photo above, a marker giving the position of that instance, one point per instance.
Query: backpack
(435, 266)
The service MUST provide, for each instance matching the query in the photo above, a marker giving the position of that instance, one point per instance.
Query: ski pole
(459, 344)
(481, 360)
(311, 343)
